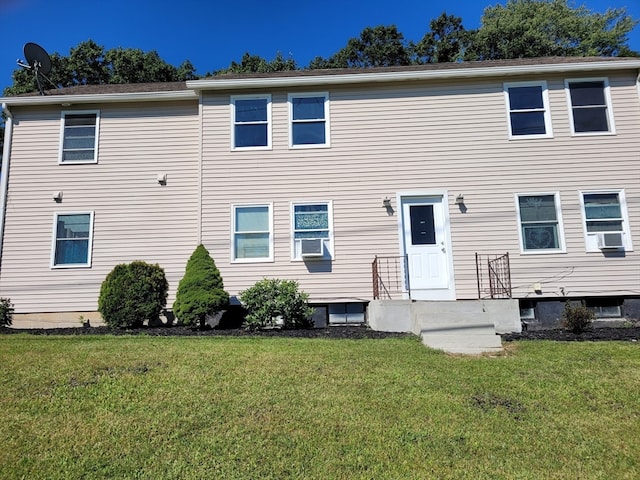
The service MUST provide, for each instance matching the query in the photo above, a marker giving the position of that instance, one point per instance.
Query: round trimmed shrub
(201, 290)
(577, 318)
(274, 302)
(133, 293)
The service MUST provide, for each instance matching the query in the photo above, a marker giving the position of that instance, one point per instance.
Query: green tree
(89, 64)
(540, 28)
(257, 64)
(381, 46)
(447, 41)
(201, 290)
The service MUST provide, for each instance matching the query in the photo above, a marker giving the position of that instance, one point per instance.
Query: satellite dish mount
(37, 60)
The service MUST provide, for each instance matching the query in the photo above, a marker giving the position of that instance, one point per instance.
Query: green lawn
(226, 408)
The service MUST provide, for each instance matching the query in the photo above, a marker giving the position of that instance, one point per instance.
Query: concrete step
(463, 343)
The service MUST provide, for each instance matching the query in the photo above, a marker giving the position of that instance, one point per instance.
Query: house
(465, 181)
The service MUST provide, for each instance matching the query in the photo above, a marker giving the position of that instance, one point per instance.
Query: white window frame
(327, 128)
(327, 242)
(234, 258)
(545, 108)
(234, 99)
(55, 239)
(561, 243)
(61, 150)
(607, 98)
(591, 238)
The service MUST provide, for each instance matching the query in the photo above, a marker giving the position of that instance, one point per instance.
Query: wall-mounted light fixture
(460, 199)
(386, 203)
(57, 197)
(162, 178)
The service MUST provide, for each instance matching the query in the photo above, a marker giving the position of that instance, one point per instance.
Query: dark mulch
(345, 332)
(631, 334)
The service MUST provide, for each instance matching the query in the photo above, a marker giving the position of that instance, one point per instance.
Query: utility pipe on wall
(4, 172)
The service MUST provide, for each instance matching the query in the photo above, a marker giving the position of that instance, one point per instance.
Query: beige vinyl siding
(423, 137)
(135, 218)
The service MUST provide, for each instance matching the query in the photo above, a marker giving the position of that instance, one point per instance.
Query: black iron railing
(494, 276)
(390, 279)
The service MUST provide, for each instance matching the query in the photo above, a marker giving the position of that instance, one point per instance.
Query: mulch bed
(346, 332)
(631, 334)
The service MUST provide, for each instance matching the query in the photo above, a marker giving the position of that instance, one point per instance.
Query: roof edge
(100, 98)
(395, 76)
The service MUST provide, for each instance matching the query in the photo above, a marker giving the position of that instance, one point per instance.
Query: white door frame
(449, 292)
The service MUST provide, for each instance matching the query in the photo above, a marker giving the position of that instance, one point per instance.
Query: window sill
(542, 252)
(241, 261)
(307, 146)
(529, 137)
(593, 134)
(70, 265)
(249, 149)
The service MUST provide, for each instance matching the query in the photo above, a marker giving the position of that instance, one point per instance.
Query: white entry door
(425, 237)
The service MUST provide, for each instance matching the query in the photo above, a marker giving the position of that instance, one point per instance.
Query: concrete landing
(464, 326)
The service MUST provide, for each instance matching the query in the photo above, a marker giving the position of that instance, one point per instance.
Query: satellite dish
(37, 60)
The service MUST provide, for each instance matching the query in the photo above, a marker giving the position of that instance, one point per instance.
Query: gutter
(4, 172)
(67, 100)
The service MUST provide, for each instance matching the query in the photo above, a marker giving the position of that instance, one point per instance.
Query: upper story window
(252, 237)
(540, 223)
(308, 113)
(251, 121)
(528, 108)
(606, 224)
(312, 230)
(72, 239)
(590, 105)
(79, 137)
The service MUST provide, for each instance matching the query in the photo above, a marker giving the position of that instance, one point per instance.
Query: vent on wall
(311, 247)
(610, 240)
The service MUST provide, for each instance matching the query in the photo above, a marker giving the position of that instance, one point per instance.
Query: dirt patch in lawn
(631, 334)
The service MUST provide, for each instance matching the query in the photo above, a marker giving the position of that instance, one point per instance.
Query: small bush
(201, 290)
(577, 318)
(133, 293)
(273, 302)
(6, 312)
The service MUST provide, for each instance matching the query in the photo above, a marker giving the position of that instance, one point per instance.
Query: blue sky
(213, 33)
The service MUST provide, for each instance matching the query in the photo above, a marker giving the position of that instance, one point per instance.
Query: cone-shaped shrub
(201, 290)
(133, 293)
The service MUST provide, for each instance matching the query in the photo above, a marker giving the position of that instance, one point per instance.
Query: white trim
(328, 243)
(327, 128)
(270, 258)
(561, 241)
(591, 239)
(53, 264)
(411, 75)
(232, 103)
(63, 116)
(545, 105)
(607, 99)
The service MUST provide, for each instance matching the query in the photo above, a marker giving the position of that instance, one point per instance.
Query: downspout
(4, 171)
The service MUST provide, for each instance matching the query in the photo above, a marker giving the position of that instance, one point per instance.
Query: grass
(251, 408)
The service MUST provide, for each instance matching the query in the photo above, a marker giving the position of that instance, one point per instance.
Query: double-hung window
(72, 239)
(606, 224)
(528, 109)
(79, 137)
(308, 113)
(251, 121)
(540, 223)
(590, 106)
(252, 238)
(312, 230)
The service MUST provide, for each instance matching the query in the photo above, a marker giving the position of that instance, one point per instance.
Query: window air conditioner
(311, 247)
(610, 240)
